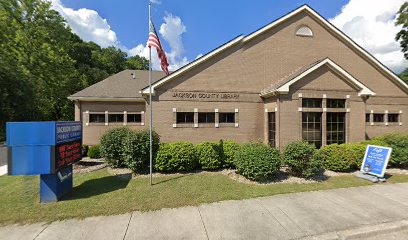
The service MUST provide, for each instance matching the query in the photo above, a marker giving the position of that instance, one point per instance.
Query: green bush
(399, 144)
(209, 155)
(111, 146)
(298, 157)
(175, 157)
(335, 158)
(94, 151)
(257, 161)
(356, 151)
(136, 150)
(228, 151)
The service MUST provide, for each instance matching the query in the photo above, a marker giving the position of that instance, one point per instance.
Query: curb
(361, 232)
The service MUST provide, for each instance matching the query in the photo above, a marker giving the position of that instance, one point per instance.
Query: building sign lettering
(205, 95)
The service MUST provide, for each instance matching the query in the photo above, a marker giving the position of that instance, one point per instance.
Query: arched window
(304, 31)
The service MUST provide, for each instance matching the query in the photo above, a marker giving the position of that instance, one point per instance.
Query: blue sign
(47, 149)
(376, 160)
(67, 131)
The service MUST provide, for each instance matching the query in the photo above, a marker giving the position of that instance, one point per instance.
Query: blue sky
(195, 27)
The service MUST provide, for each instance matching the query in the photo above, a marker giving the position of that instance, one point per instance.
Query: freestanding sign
(47, 149)
(376, 160)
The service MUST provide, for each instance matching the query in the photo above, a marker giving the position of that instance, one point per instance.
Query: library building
(298, 77)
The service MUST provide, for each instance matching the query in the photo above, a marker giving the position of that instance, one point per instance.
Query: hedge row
(348, 157)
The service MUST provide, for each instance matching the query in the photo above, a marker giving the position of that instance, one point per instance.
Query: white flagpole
(150, 102)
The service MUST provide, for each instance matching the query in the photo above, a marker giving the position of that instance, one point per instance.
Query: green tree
(402, 35)
(137, 63)
(404, 75)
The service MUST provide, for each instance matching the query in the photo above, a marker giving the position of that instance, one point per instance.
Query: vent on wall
(304, 31)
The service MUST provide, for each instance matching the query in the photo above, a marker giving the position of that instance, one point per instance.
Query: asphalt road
(3, 160)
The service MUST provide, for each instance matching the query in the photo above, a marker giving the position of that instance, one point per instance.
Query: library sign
(376, 160)
(48, 149)
(205, 96)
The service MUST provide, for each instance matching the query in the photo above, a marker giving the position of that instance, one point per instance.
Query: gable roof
(118, 87)
(241, 39)
(282, 87)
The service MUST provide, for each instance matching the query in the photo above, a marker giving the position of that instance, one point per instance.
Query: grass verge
(99, 193)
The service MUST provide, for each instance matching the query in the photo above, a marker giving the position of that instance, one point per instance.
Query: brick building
(298, 77)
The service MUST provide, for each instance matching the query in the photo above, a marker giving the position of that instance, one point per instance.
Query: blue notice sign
(67, 131)
(375, 160)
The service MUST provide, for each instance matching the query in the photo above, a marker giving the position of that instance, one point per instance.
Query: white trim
(191, 65)
(365, 91)
(336, 31)
(174, 125)
(106, 99)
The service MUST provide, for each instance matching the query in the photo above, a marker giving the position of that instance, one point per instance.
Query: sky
(188, 29)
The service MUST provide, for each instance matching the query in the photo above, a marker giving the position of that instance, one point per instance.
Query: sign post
(47, 149)
(374, 163)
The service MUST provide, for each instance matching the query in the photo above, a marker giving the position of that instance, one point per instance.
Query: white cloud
(155, 1)
(199, 55)
(171, 31)
(88, 24)
(370, 23)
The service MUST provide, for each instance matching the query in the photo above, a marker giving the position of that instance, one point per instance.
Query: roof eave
(106, 99)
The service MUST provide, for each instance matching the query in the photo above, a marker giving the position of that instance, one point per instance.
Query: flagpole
(150, 102)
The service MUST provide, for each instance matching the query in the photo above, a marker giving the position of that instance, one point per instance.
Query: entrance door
(272, 129)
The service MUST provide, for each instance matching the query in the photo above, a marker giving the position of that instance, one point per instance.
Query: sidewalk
(374, 212)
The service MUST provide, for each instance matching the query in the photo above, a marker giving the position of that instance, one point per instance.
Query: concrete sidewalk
(374, 212)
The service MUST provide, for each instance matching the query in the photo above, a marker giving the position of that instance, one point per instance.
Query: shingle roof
(288, 77)
(120, 85)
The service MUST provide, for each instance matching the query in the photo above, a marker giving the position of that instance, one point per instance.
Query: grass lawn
(99, 193)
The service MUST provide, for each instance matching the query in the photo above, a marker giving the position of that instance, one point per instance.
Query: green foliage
(136, 150)
(298, 156)
(176, 157)
(209, 155)
(402, 35)
(399, 144)
(356, 152)
(257, 161)
(42, 62)
(404, 75)
(137, 62)
(94, 151)
(228, 152)
(336, 158)
(112, 142)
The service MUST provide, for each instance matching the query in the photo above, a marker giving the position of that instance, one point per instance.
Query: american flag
(155, 42)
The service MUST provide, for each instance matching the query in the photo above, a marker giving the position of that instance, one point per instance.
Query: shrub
(209, 155)
(298, 156)
(136, 150)
(94, 151)
(257, 161)
(228, 151)
(84, 150)
(111, 146)
(174, 157)
(399, 144)
(356, 151)
(335, 158)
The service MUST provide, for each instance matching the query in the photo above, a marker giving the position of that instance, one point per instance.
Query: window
(272, 129)
(311, 103)
(185, 117)
(335, 124)
(378, 118)
(304, 31)
(115, 118)
(312, 128)
(336, 103)
(367, 118)
(206, 117)
(227, 118)
(134, 118)
(97, 118)
(392, 117)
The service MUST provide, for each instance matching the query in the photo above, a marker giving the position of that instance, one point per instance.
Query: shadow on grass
(170, 179)
(98, 186)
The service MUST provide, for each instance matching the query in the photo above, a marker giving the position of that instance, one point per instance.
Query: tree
(402, 36)
(404, 75)
(137, 63)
